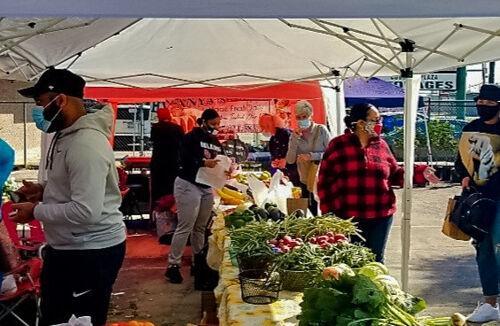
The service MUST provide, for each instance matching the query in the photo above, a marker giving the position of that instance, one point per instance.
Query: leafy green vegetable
(366, 292)
(348, 253)
(309, 227)
(321, 305)
(307, 257)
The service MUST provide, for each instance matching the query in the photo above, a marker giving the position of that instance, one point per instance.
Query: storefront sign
(237, 115)
(430, 82)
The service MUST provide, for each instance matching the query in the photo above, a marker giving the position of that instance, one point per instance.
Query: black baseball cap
(489, 92)
(58, 81)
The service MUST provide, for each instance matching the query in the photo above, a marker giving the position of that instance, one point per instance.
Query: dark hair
(358, 112)
(209, 114)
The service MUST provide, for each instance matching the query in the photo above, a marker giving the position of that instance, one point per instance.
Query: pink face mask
(373, 128)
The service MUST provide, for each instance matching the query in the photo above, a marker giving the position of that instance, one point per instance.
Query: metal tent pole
(340, 103)
(25, 140)
(412, 84)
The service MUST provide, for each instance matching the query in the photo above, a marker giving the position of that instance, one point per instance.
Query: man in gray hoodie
(79, 203)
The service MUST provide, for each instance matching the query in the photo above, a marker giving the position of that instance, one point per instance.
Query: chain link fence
(439, 127)
(133, 130)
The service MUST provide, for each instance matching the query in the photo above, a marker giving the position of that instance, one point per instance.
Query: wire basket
(296, 281)
(254, 262)
(259, 286)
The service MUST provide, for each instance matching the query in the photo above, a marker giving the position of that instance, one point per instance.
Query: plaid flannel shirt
(357, 182)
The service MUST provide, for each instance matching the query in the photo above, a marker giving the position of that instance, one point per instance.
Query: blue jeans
(488, 258)
(375, 231)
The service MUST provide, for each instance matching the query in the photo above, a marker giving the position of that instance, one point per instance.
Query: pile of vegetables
(269, 212)
(367, 297)
(328, 239)
(238, 219)
(353, 291)
(351, 254)
(313, 258)
(307, 228)
(291, 231)
(252, 239)
(295, 240)
(285, 244)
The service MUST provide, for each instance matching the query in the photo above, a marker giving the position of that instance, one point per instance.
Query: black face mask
(54, 113)
(487, 112)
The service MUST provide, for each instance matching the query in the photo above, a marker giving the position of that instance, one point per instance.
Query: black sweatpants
(78, 282)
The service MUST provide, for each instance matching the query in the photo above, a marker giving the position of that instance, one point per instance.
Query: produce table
(232, 310)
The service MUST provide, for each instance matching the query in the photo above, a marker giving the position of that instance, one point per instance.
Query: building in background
(13, 115)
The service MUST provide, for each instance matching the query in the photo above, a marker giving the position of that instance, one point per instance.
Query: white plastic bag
(259, 190)
(80, 321)
(216, 176)
(277, 193)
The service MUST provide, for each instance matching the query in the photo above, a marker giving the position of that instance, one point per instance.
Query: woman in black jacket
(194, 201)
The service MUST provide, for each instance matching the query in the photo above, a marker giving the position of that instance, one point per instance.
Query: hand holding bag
(449, 228)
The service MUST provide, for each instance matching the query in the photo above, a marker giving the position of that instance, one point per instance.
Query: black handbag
(474, 214)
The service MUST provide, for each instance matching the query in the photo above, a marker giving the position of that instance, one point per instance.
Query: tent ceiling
(228, 52)
(254, 8)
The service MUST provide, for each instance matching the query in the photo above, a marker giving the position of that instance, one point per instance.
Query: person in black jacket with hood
(478, 164)
(166, 137)
(194, 201)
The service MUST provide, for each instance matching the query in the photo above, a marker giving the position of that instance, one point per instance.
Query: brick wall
(12, 123)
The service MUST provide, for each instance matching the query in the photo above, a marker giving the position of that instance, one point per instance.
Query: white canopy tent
(232, 52)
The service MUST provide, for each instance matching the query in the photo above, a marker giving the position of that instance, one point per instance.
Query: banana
(233, 193)
(230, 200)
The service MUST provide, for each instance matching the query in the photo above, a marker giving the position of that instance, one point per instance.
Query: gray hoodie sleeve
(88, 169)
(323, 141)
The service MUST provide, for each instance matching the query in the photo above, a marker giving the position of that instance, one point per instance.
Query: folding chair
(27, 276)
(30, 241)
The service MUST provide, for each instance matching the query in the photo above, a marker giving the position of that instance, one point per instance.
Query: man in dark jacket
(478, 164)
(166, 137)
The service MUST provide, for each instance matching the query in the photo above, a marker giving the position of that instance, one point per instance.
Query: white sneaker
(484, 313)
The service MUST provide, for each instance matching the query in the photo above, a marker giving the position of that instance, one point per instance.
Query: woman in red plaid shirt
(356, 177)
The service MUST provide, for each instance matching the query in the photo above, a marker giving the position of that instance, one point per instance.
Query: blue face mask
(40, 122)
(39, 118)
(304, 124)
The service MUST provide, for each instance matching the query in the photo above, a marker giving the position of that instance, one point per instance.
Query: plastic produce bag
(77, 321)
(259, 190)
(215, 177)
(277, 192)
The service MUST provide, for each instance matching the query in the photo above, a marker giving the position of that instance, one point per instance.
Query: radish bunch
(328, 239)
(285, 244)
